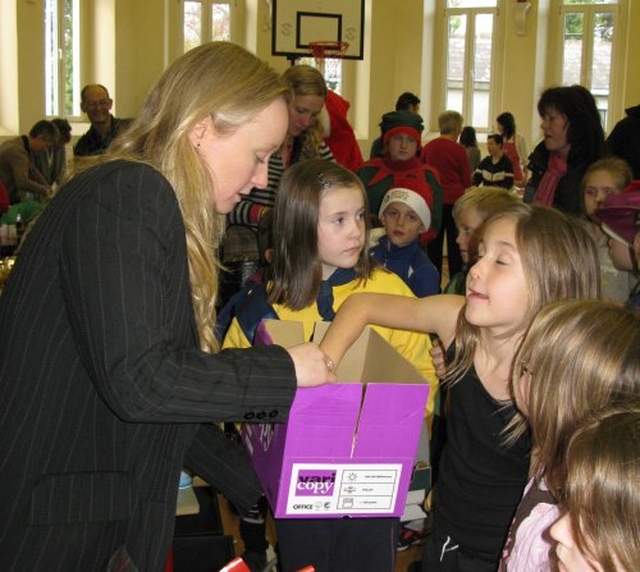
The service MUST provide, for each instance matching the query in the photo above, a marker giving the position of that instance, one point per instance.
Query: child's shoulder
(383, 281)
(372, 165)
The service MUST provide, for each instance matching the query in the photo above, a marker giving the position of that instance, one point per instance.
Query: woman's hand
(313, 366)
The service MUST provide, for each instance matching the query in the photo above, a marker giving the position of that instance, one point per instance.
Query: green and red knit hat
(396, 122)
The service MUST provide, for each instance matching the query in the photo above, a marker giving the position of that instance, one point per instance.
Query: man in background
(18, 172)
(97, 104)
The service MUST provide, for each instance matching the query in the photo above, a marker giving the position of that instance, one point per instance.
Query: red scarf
(556, 169)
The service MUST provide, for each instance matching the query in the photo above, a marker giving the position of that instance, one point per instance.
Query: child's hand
(438, 358)
(313, 367)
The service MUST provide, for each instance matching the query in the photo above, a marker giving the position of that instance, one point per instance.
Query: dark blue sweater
(411, 263)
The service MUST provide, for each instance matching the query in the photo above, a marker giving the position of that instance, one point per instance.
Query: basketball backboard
(296, 23)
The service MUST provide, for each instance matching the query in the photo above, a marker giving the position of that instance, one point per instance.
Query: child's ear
(636, 247)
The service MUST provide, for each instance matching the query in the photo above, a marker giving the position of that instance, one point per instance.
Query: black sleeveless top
(481, 479)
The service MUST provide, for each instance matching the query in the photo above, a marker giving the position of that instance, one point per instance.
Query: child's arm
(436, 314)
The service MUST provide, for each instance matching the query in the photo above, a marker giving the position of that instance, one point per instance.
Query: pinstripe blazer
(104, 394)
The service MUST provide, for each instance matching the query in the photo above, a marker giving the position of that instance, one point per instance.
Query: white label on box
(319, 489)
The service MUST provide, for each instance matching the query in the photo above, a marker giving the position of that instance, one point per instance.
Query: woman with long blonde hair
(109, 370)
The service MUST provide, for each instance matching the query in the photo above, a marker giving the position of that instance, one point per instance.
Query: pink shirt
(529, 547)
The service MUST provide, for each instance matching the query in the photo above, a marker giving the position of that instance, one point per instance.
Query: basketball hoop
(328, 49)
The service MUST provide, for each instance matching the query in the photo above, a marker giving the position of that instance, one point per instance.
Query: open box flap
(282, 332)
(384, 414)
(380, 363)
(309, 426)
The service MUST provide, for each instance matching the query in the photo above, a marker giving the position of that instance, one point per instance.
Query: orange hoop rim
(328, 49)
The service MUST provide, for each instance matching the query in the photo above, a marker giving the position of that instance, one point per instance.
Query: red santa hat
(413, 192)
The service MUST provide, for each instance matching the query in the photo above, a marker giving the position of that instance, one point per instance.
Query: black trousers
(435, 247)
(343, 544)
(442, 553)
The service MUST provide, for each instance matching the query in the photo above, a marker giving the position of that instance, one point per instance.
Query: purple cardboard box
(348, 448)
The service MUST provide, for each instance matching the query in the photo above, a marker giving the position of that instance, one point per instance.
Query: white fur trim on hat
(410, 198)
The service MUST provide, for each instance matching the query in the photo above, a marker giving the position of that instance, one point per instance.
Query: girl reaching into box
(320, 259)
(528, 256)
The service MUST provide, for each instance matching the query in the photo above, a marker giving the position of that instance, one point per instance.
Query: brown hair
(559, 260)
(296, 271)
(583, 356)
(602, 488)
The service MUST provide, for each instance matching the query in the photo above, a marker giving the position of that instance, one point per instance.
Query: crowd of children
(320, 258)
(522, 414)
(528, 257)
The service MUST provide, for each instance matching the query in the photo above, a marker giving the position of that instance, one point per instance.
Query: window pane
(601, 64)
(573, 45)
(71, 51)
(472, 3)
(51, 57)
(590, 2)
(482, 69)
(455, 61)
(220, 22)
(192, 25)
(62, 57)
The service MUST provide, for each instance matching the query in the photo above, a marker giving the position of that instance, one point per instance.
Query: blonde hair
(486, 201)
(618, 168)
(602, 492)
(583, 355)
(227, 83)
(559, 260)
(449, 122)
(307, 80)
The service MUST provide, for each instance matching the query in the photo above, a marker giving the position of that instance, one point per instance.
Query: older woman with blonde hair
(111, 375)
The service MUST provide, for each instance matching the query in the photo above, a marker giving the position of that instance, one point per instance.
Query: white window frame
(206, 17)
(57, 101)
(468, 79)
(589, 10)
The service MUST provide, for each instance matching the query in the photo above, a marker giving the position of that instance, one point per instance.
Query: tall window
(330, 68)
(471, 26)
(206, 21)
(62, 57)
(588, 28)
